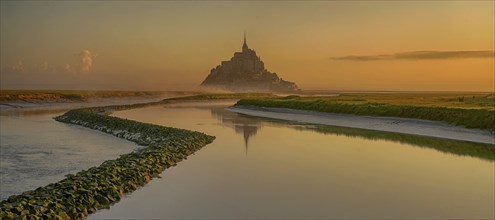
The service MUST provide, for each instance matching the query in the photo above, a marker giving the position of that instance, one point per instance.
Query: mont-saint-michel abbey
(246, 72)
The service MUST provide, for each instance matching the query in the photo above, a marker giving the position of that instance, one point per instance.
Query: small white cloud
(86, 61)
(18, 66)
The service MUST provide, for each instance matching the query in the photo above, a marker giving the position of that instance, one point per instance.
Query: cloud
(86, 61)
(68, 68)
(80, 63)
(423, 55)
(18, 67)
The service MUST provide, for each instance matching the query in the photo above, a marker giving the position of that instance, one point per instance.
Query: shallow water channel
(36, 150)
(261, 168)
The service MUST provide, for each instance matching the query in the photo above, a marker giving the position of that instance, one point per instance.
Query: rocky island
(245, 72)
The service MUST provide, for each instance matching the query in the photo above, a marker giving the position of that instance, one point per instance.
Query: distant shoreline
(57, 96)
(42, 101)
(22, 107)
(388, 124)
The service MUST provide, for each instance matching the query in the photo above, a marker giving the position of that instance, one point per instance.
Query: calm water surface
(258, 168)
(36, 150)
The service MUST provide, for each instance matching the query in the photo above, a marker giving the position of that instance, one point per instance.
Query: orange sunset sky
(168, 45)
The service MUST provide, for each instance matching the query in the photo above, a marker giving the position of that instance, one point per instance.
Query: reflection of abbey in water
(248, 127)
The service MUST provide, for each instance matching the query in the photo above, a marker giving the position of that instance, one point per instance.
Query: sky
(320, 45)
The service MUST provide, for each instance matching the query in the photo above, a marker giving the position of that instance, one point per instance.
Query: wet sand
(389, 124)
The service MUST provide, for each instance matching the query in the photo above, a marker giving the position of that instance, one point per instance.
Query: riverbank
(474, 110)
(388, 124)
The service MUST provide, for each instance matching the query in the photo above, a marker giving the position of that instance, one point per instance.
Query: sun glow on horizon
(376, 46)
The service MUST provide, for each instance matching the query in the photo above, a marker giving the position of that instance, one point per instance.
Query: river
(261, 168)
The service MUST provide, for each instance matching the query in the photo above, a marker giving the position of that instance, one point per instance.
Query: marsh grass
(480, 113)
(450, 100)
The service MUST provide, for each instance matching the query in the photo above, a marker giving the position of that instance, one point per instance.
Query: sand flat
(389, 124)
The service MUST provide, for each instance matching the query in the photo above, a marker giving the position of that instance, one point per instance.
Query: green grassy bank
(83, 193)
(481, 115)
(466, 100)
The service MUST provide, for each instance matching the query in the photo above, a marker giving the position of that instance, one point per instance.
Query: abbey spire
(245, 46)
